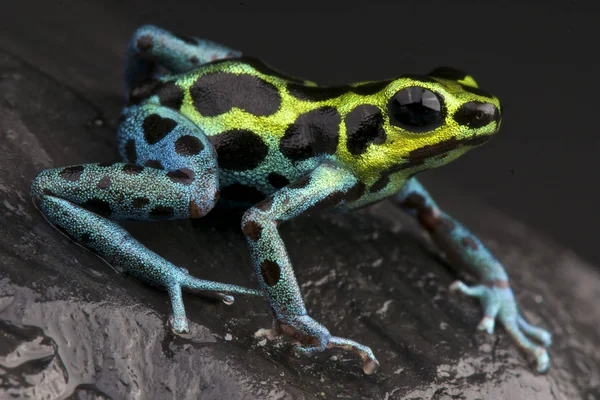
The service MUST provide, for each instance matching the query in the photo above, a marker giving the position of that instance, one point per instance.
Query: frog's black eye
(416, 109)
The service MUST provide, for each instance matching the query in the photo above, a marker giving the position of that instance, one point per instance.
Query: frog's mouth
(419, 156)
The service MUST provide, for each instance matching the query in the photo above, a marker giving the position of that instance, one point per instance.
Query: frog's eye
(416, 109)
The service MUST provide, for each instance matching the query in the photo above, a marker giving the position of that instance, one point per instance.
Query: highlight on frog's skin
(222, 127)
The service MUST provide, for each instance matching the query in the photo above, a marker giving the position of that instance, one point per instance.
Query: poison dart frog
(204, 123)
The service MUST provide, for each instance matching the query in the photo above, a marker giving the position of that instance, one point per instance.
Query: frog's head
(434, 118)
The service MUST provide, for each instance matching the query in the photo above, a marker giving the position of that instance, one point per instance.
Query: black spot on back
(271, 272)
(130, 151)
(170, 95)
(71, 174)
(364, 125)
(194, 60)
(314, 132)
(277, 180)
(183, 175)
(98, 206)
(156, 127)
(162, 212)
(242, 193)
(188, 145)
(239, 149)
(316, 93)
(320, 93)
(216, 93)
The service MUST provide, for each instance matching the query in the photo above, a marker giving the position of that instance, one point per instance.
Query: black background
(540, 59)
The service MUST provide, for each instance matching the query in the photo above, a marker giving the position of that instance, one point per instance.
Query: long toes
(541, 335)
(472, 291)
(541, 355)
(216, 289)
(487, 324)
(542, 360)
(370, 363)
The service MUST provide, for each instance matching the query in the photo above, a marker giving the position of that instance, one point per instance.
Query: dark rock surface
(71, 327)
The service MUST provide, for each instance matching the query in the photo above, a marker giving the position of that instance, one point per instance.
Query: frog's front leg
(465, 250)
(179, 181)
(152, 47)
(326, 186)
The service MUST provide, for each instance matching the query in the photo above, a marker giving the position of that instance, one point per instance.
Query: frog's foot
(216, 290)
(309, 336)
(498, 302)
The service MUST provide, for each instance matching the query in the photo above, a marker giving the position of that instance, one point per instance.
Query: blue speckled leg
(152, 47)
(179, 181)
(466, 251)
(326, 186)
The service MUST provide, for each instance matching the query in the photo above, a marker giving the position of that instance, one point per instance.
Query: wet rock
(71, 327)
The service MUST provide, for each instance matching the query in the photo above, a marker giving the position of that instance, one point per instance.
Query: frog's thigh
(151, 46)
(177, 155)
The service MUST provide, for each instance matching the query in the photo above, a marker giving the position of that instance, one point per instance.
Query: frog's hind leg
(465, 250)
(152, 47)
(179, 181)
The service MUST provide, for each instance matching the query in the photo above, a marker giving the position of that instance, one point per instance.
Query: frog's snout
(476, 114)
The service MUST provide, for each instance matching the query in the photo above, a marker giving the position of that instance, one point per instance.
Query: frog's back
(255, 125)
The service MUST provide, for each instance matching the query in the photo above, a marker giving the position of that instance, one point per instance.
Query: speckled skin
(224, 126)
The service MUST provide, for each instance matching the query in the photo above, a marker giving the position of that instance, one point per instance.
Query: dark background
(540, 59)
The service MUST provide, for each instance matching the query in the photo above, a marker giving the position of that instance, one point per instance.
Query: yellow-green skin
(221, 126)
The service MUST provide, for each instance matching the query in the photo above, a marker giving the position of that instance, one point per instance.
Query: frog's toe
(179, 325)
(498, 302)
(309, 337)
(370, 363)
(540, 335)
(487, 324)
(539, 353)
(488, 299)
(226, 298)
